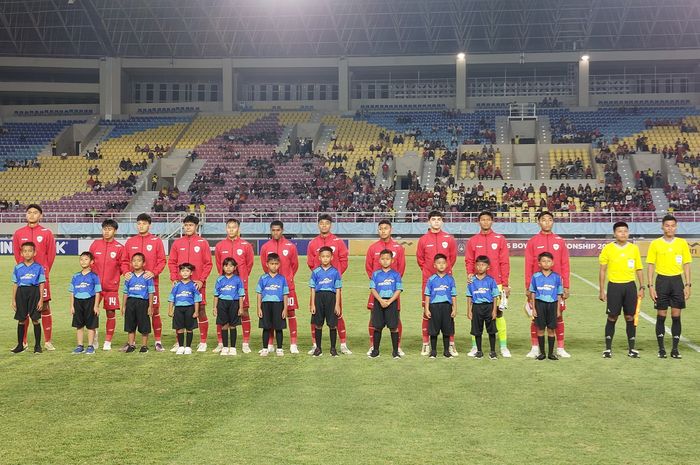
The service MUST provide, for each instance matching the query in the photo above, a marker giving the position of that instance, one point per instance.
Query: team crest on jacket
(555, 246)
(444, 245)
(494, 246)
(39, 238)
(113, 254)
(239, 251)
(149, 247)
(197, 249)
(285, 252)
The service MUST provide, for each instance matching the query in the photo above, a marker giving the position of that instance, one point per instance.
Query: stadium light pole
(583, 81)
(461, 81)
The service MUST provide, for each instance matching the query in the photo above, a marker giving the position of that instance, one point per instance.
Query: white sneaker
(563, 353)
(279, 352)
(472, 352)
(453, 351)
(202, 347)
(534, 352)
(179, 351)
(219, 347)
(401, 353)
(505, 353)
(264, 353)
(270, 348)
(344, 349)
(175, 347)
(313, 349)
(48, 346)
(232, 351)
(223, 351)
(425, 350)
(369, 352)
(188, 350)
(107, 345)
(293, 349)
(246, 348)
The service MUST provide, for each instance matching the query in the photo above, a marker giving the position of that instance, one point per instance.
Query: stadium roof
(323, 28)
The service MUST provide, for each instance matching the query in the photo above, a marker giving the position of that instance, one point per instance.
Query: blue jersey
(84, 286)
(386, 283)
(272, 288)
(483, 291)
(440, 289)
(139, 286)
(185, 294)
(28, 275)
(325, 280)
(546, 288)
(229, 288)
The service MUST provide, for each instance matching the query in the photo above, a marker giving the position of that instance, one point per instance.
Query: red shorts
(47, 291)
(203, 291)
(110, 300)
(292, 303)
(246, 299)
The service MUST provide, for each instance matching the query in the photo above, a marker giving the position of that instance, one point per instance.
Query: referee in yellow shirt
(621, 261)
(669, 256)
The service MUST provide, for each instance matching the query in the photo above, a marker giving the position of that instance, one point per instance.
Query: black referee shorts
(325, 309)
(441, 319)
(272, 316)
(388, 316)
(183, 318)
(546, 314)
(26, 300)
(482, 317)
(84, 314)
(227, 312)
(622, 297)
(669, 292)
(136, 316)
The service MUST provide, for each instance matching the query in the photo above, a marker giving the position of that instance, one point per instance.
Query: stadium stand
(20, 143)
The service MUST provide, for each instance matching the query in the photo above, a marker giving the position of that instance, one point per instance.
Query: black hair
(386, 252)
(190, 219)
(229, 261)
(233, 220)
(544, 213)
(277, 223)
(434, 213)
(34, 205)
(110, 223)
(545, 255)
(186, 266)
(139, 254)
(668, 218)
(325, 216)
(439, 256)
(620, 224)
(485, 213)
(325, 249)
(384, 221)
(483, 259)
(88, 254)
(28, 244)
(144, 217)
(271, 257)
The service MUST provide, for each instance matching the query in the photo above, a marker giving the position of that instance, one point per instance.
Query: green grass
(159, 408)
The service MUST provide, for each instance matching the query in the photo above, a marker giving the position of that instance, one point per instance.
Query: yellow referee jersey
(622, 261)
(669, 257)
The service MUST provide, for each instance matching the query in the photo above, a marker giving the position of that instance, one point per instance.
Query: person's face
(108, 233)
(33, 216)
(28, 252)
(546, 263)
(669, 228)
(189, 228)
(273, 265)
(185, 273)
(485, 222)
(229, 268)
(435, 223)
(546, 223)
(276, 232)
(324, 227)
(384, 231)
(143, 227)
(232, 230)
(85, 261)
(385, 260)
(137, 262)
(325, 258)
(481, 267)
(441, 265)
(621, 234)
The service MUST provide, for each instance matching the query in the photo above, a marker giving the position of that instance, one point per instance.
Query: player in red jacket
(339, 261)
(433, 242)
(289, 265)
(193, 249)
(242, 251)
(151, 246)
(385, 242)
(108, 255)
(45, 246)
(489, 243)
(547, 241)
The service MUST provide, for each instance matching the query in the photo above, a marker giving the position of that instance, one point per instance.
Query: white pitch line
(651, 320)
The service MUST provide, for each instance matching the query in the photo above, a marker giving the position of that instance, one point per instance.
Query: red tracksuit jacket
(151, 247)
(289, 258)
(239, 249)
(547, 243)
(107, 264)
(431, 244)
(372, 258)
(43, 240)
(493, 246)
(340, 252)
(190, 249)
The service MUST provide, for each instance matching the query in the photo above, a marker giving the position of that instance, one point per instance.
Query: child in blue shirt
(386, 287)
(85, 289)
(272, 290)
(28, 280)
(482, 307)
(545, 297)
(228, 291)
(137, 306)
(325, 284)
(184, 308)
(440, 305)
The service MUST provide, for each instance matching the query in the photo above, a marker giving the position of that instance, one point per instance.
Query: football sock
(245, 324)
(234, 335)
(313, 334)
(292, 322)
(37, 335)
(265, 338)
(560, 333)
(341, 330)
(446, 343)
(660, 330)
(377, 339)
(318, 334)
(492, 342)
(477, 342)
(609, 333)
(47, 322)
(371, 333)
(551, 340)
(181, 339)
(157, 324)
(631, 334)
(188, 338)
(400, 331)
(111, 325)
(20, 334)
(394, 342)
(433, 343)
(502, 332)
(533, 335)
(279, 334)
(224, 335)
(676, 330)
(424, 330)
(540, 342)
(203, 324)
(334, 337)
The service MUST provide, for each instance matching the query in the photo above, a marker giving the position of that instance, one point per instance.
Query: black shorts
(136, 316)
(84, 314)
(183, 318)
(325, 309)
(441, 319)
(272, 316)
(227, 312)
(622, 297)
(388, 316)
(546, 314)
(669, 292)
(26, 300)
(482, 317)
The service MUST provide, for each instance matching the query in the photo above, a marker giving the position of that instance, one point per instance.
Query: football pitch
(117, 408)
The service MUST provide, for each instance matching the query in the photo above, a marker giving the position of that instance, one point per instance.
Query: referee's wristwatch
(688, 284)
(649, 286)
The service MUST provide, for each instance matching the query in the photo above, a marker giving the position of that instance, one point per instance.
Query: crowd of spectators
(572, 168)
(566, 132)
(24, 163)
(683, 199)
